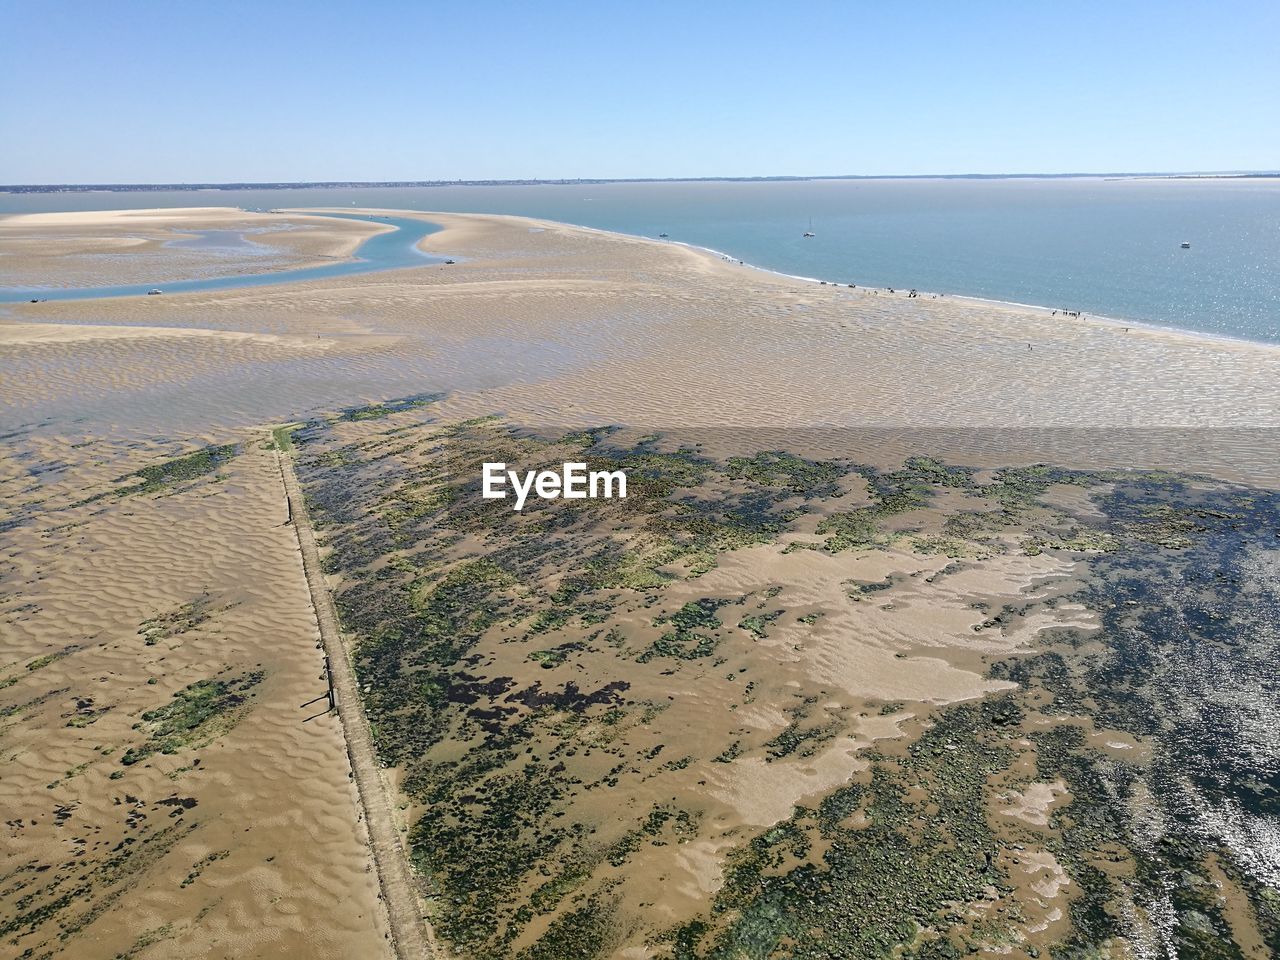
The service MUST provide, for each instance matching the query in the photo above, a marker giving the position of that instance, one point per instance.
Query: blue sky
(200, 91)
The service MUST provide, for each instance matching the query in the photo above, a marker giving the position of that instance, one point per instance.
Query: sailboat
(809, 232)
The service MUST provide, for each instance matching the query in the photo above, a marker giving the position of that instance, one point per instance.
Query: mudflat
(844, 674)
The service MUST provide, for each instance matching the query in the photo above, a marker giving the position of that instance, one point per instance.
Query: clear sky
(174, 91)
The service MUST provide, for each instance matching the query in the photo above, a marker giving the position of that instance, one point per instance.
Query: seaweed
(696, 632)
(176, 622)
(161, 476)
(197, 713)
(378, 411)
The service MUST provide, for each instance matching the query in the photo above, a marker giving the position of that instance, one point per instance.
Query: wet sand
(145, 246)
(562, 325)
(540, 650)
(268, 799)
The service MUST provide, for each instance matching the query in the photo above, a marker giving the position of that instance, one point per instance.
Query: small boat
(1186, 244)
(809, 232)
(154, 292)
(447, 262)
(663, 236)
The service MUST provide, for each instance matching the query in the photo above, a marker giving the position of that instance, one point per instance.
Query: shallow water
(384, 251)
(1107, 247)
(223, 242)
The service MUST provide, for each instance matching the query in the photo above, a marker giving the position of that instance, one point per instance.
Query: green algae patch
(893, 493)
(39, 663)
(87, 712)
(197, 714)
(857, 530)
(1076, 540)
(176, 622)
(548, 659)
(74, 899)
(168, 474)
(803, 735)
(912, 866)
(757, 624)
(695, 634)
(379, 411)
(161, 476)
(777, 468)
(919, 853)
(282, 437)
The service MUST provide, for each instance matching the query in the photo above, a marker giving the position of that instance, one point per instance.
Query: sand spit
(154, 216)
(27, 334)
(109, 247)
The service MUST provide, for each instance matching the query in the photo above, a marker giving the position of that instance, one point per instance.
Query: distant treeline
(350, 184)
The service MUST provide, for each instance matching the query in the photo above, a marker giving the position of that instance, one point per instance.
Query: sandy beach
(120, 588)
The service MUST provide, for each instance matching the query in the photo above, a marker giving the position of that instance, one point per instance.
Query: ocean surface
(1108, 247)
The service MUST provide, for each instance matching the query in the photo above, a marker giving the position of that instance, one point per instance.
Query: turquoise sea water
(1106, 247)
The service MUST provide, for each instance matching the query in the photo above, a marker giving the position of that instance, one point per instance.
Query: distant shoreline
(356, 184)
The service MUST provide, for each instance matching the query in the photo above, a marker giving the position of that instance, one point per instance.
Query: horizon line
(566, 181)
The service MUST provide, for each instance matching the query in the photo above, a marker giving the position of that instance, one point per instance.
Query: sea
(1109, 247)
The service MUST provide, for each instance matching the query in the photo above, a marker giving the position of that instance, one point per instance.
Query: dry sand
(550, 324)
